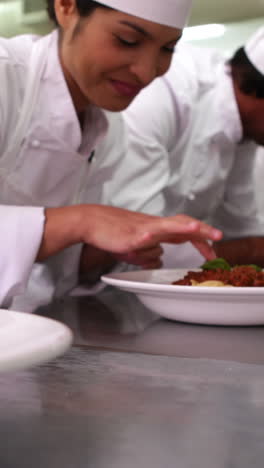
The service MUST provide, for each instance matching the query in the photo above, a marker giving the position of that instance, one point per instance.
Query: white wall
(13, 23)
(236, 34)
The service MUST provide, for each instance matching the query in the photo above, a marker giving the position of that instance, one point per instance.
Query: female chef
(61, 139)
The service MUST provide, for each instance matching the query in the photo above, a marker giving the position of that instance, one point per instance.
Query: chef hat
(254, 49)
(168, 12)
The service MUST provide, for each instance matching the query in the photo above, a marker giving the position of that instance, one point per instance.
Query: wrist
(62, 228)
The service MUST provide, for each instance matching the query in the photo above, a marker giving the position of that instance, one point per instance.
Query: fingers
(146, 258)
(91, 258)
(178, 229)
(191, 226)
(150, 253)
(210, 232)
(205, 249)
(152, 265)
(147, 238)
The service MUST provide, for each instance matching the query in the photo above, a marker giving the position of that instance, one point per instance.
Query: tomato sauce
(237, 276)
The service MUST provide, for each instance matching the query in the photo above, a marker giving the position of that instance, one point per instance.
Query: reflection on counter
(116, 320)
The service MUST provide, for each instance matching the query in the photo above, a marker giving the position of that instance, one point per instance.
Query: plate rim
(113, 280)
(27, 356)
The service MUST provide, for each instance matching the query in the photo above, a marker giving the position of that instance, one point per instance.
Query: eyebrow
(143, 31)
(137, 28)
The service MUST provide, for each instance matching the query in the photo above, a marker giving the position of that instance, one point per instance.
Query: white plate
(196, 304)
(27, 340)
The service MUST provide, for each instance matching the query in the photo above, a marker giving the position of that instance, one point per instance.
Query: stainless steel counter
(104, 409)
(116, 320)
(137, 391)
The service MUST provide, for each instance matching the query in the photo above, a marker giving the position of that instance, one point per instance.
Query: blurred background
(224, 24)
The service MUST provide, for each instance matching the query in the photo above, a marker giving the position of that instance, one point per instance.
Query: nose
(146, 67)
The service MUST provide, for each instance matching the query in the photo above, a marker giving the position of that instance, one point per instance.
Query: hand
(94, 263)
(121, 232)
(148, 258)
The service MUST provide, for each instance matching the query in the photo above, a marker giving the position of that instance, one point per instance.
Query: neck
(81, 118)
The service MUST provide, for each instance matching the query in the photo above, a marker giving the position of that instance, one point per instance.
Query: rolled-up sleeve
(20, 237)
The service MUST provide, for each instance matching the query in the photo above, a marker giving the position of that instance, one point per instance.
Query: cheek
(74, 61)
(85, 69)
(164, 65)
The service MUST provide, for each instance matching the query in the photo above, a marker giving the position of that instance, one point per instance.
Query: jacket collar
(63, 114)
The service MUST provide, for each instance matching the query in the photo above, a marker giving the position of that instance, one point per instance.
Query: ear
(65, 10)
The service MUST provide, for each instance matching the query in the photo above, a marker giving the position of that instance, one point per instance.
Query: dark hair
(84, 7)
(249, 79)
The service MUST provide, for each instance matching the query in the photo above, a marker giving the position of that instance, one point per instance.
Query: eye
(126, 42)
(169, 49)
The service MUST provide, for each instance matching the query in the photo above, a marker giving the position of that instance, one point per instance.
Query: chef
(193, 135)
(61, 139)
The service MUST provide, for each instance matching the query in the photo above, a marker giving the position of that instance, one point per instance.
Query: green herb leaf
(215, 264)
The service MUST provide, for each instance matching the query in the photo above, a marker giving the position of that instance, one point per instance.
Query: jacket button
(35, 143)
(191, 196)
(91, 156)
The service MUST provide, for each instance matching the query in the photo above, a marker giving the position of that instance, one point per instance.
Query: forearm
(61, 230)
(242, 251)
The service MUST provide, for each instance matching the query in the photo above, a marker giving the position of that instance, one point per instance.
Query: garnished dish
(219, 273)
(204, 305)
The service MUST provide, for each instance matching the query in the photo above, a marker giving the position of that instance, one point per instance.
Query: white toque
(254, 49)
(172, 13)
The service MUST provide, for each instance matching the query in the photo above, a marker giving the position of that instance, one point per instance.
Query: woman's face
(108, 57)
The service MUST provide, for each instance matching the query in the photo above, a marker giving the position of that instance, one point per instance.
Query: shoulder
(152, 112)
(14, 57)
(150, 97)
(193, 70)
(16, 50)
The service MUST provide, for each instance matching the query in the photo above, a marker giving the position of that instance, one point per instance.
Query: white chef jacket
(184, 153)
(20, 237)
(45, 160)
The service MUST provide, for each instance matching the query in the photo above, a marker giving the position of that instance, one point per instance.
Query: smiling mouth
(125, 89)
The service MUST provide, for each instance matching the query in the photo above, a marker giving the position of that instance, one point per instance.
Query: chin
(112, 104)
(116, 106)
